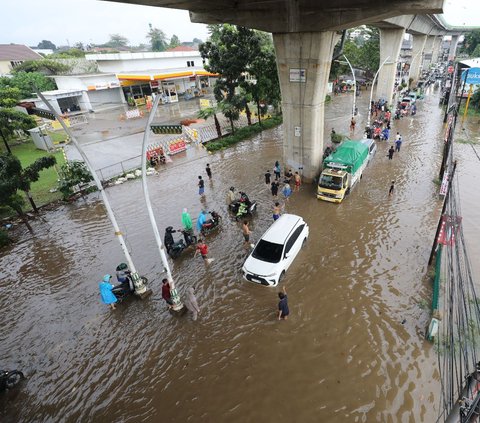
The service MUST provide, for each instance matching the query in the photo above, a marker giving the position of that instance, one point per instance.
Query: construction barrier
(176, 146)
(132, 114)
(166, 129)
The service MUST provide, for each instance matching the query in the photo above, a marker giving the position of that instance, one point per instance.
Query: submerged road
(352, 351)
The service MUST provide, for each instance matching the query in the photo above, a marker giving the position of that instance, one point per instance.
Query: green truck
(342, 170)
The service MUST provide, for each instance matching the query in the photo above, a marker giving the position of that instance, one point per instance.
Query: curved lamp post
(177, 304)
(354, 86)
(140, 288)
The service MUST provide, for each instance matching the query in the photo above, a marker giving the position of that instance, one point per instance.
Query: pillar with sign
(303, 63)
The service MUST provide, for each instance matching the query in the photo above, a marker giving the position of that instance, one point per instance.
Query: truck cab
(333, 185)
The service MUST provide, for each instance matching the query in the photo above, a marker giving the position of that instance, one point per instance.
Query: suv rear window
(268, 251)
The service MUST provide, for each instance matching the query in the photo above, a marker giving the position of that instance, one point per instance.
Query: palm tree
(209, 112)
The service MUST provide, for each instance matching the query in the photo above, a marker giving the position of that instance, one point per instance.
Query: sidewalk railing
(116, 169)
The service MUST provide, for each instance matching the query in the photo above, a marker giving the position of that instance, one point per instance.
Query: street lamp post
(354, 86)
(177, 304)
(140, 289)
(371, 91)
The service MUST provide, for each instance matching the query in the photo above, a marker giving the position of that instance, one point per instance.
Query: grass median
(27, 153)
(243, 133)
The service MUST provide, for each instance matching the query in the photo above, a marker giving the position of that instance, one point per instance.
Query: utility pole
(177, 304)
(140, 289)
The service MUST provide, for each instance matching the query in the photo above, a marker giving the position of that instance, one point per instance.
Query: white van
(372, 147)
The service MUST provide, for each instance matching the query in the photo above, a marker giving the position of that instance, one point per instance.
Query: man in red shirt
(202, 248)
(166, 293)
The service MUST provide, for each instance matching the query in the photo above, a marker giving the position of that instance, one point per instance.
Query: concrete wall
(128, 62)
(102, 99)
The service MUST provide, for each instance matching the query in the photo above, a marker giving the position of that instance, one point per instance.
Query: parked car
(275, 251)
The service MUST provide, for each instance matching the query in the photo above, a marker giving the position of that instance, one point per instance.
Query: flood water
(353, 349)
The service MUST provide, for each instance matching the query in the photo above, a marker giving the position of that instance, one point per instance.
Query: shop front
(171, 86)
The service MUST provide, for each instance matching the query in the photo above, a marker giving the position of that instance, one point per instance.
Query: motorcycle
(211, 223)
(175, 248)
(243, 206)
(126, 289)
(8, 379)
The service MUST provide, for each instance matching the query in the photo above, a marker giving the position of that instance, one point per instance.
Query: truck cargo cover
(350, 154)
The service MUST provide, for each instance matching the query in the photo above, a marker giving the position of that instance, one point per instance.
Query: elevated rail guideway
(305, 33)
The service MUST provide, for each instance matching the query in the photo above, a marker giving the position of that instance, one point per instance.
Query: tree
(209, 112)
(117, 40)
(73, 174)
(14, 178)
(230, 51)
(11, 119)
(476, 52)
(174, 41)
(197, 41)
(365, 56)
(73, 53)
(79, 46)
(45, 66)
(158, 39)
(26, 82)
(265, 89)
(470, 43)
(45, 44)
(475, 100)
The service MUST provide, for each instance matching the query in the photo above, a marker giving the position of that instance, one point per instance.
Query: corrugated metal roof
(17, 52)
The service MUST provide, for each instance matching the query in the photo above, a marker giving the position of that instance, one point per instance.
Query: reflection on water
(353, 349)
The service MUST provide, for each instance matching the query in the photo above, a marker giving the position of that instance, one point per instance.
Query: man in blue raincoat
(202, 218)
(108, 297)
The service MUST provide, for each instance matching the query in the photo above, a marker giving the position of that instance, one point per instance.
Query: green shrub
(243, 133)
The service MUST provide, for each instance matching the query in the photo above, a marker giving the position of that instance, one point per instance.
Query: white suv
(275, 251)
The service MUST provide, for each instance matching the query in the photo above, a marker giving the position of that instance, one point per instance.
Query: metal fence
(117, 169)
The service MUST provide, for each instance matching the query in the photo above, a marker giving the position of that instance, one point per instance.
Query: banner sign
(298, 75)
(448, 229)
(444, 186)
(473, 76)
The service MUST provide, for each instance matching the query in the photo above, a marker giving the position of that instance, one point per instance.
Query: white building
(130, 77)
(92, 92)
(173, 73)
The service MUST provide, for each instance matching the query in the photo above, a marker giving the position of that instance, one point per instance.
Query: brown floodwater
(353, 349)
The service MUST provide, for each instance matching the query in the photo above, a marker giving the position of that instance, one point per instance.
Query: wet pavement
(352, 351)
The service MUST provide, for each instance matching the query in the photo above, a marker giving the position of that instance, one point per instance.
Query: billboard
(471, 77)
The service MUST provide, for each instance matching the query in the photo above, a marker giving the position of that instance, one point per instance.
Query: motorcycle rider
(231, 196)
(187, 227)
(123, 275)
(202, 219)
(168, 238)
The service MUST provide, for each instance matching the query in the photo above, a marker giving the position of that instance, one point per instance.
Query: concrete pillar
(303, 63)
(418, 44)
(453, 48)
(390, 45)
(428, 51)
(436, 49)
